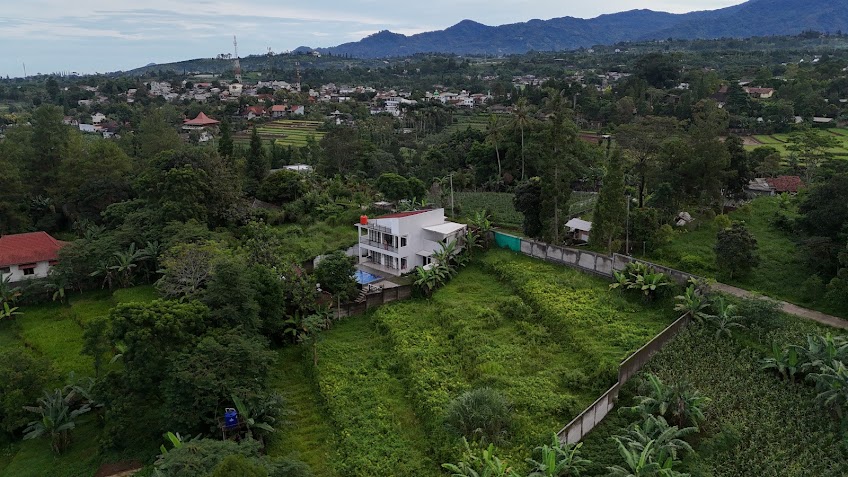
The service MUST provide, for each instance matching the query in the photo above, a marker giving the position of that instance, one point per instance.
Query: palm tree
(57, 420)
(125, 262)
(725, 318)
(251, 421)
(679, 400)
(785, 361)
(558, 460)
(822, 350)
(8, 293)
(9, 312)
(430, 278)
(522, 119)
(58, 283)
(495, 136)
(832, 384)
(103, 268)
(640, 463)
(691, 303)
(668, 440)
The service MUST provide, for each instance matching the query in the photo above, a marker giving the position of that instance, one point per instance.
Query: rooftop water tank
(363, 220)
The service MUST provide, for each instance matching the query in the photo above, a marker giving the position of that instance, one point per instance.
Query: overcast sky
(99, 36)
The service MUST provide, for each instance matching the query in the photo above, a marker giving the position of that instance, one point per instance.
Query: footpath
(788, 308)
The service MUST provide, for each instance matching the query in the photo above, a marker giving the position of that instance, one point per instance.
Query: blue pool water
(364, 278)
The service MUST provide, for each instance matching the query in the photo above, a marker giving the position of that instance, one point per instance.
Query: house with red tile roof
(29, 255)
(397, 243)
(788, 184)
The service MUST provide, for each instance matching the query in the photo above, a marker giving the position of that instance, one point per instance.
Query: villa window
(5, 270)
(403, 241)
(29, 271)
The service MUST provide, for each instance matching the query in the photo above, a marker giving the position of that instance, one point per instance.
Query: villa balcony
(364, 240)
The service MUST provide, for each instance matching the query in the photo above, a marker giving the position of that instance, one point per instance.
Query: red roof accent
(31, 247)
(201, 120)
(278, 108)
(401, 214)
(785, 183)
(258, 110)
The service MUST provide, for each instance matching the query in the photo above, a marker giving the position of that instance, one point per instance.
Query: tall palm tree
(494, 135)
(558, 460)
(57, 420)
(522, 120)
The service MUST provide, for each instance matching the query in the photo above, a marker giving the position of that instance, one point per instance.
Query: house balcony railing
(379, 228)
(380, 245)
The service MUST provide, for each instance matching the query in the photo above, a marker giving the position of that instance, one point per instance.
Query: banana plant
(250, 421)
(9, 312)
(558, 460)
(785, 361)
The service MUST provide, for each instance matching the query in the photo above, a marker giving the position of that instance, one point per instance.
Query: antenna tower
(236, 63)
(297, 74)
(271, 62)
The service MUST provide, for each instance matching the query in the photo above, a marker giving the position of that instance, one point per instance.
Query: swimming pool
(363, 278)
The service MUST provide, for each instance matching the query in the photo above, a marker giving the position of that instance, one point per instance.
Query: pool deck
(385, 281)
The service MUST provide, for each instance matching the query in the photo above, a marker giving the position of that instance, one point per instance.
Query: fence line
(372, 300)
(605, 266)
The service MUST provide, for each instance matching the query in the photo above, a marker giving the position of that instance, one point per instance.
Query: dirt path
(788, 308)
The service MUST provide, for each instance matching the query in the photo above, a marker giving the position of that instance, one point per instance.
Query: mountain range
(752, 18)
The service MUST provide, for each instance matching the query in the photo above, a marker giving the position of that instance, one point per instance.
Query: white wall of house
(41, 270)
(397, 245)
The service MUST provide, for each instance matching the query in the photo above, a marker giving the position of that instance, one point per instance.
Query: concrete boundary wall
(372, 300)
(604, 266)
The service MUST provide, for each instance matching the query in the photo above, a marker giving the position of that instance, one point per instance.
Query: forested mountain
(753, 18)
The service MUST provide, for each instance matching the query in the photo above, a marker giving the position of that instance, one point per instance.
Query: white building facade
(398, 243)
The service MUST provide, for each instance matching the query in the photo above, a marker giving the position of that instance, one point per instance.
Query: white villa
(397, 243)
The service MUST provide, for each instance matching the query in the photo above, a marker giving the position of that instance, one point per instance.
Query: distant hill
(752, 18)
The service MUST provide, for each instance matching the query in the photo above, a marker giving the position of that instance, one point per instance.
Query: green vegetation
(285, 132)
(461, 122)
(303, 242)
(755, 424)
(55, 331)
(501, 209)
(781, 270)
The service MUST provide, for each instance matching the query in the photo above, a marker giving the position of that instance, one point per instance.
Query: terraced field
(781, 141)
(285, 132)
(462, 122)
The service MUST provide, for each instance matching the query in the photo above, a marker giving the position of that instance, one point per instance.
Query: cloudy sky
(95, 36)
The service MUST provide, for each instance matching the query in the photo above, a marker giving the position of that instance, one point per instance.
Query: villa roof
(579, 224)
(30, 247)
(401, 215)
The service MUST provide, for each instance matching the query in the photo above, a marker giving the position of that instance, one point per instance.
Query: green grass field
(781, 272)
(308, 241)
(461, 122)
(548, 337)
(285, 132)
(781, 141)
(56, 331)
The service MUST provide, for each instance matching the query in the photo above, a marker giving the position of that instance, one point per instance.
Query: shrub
(22, 379)
(813, 288)
(722, 221)
(480, 413)
(514, 309)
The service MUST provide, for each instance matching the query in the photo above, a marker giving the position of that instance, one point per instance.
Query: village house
(397, 243)
(201, 122)
(29, 255)
(773, 186)
(98, 118)
(579, 229)
(762, 93)
(253, 112)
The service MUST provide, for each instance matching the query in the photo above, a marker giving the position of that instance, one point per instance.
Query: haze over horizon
(94, 37)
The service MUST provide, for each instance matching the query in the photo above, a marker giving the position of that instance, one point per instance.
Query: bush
(514, 309)
(23, 377)
(813, 289)
(722, 221)
(202, 457)
(480, 413)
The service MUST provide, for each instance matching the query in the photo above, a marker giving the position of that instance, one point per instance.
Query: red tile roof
(785, 183)
(28, 248)
(278, 108)
(401, 214)
(201, 120)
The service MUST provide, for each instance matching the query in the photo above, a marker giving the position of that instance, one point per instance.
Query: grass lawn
(756, 424)
(304, 242)
(377, 428)
(306, 433)
(56, 331)
(376, 404)
(781, 272)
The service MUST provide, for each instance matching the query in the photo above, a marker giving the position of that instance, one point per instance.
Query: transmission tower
(236, 63)
(271, 62)
(297, 74)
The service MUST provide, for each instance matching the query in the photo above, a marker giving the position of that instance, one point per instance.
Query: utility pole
(453, 214)
(25, 75)
(627, 232)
